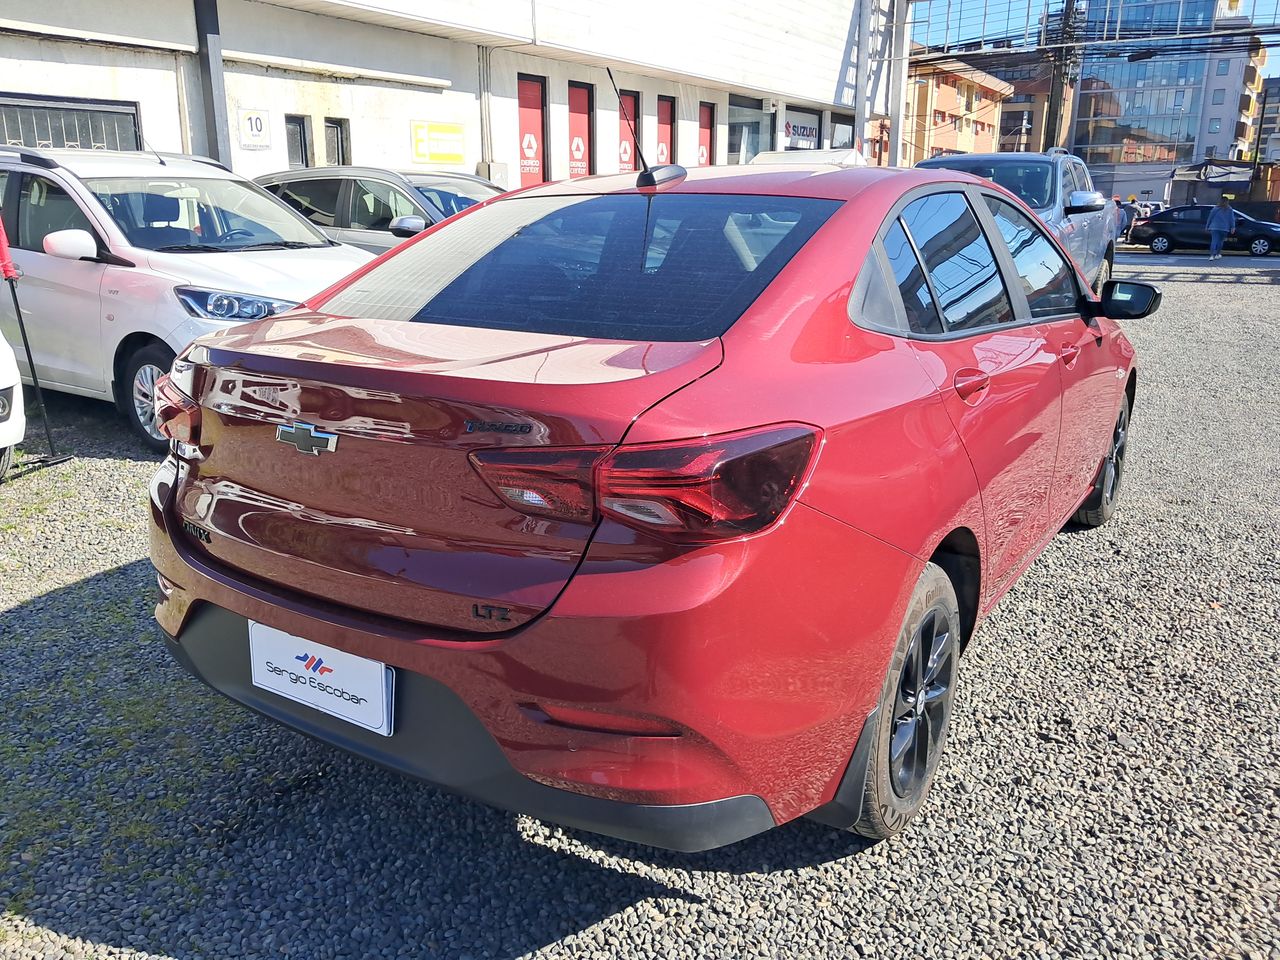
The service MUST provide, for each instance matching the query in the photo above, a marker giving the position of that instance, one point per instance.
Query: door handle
(1069, 353)
(971, 384)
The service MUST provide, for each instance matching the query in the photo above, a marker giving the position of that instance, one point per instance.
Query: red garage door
(532, 93)
(628, 109)
(581, 130)
(666, 130)
(706, 134)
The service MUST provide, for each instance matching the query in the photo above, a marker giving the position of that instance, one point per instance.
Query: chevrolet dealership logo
(307, 438)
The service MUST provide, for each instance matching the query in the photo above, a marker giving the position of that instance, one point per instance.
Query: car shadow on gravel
(139, 809)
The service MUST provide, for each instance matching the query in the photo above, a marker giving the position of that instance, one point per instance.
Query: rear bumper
(466, 759)
(743, 674)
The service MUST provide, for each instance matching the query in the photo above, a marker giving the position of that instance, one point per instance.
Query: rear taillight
(697, 490)
(177, 414)
(544, 481)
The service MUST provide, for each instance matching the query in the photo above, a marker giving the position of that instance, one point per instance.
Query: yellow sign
(437, 142)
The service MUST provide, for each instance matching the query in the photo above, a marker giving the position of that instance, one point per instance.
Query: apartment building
(515, 91)
(952, 108)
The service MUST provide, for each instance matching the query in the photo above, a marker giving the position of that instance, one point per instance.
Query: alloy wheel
(1113, 466)
(922, 705)
(144, 392)
(1260, 247)
(1160, 245)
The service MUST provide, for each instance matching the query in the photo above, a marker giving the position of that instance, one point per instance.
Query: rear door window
(625, 266)
(962, 267)
(374, 205)
(317, 200)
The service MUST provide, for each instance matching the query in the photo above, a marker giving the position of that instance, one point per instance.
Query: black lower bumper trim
(214, 646)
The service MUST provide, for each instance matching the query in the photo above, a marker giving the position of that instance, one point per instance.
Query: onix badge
(307, 438)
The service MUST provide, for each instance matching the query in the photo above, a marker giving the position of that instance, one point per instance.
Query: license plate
(355, 689)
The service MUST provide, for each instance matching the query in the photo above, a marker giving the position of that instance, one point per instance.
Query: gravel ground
(1111, 786)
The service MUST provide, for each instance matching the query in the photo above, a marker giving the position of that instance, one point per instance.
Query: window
(452, 195)
(1224, 67)
(872, 303)
(961, 265)
(750, 129)
(1189, 214)
(1219, 96)
(908, 274)
(298, 140)
(44, 208)
(939, 118)
(586, 265)
(317, 200)
(337, 135)
(1215, 125)
(85, 124)
(196, 215)
(374, 205)
(1046, 277)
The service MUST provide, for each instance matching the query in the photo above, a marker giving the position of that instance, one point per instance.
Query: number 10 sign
(255, 131)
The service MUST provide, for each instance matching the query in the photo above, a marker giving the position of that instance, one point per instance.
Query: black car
(1185, 227)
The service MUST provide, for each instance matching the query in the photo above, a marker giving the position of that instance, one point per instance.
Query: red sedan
(659, 508)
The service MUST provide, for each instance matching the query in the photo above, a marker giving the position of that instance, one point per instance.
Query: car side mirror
(1085, 201)
(71, 245)
(407, 226)
(1128, 300)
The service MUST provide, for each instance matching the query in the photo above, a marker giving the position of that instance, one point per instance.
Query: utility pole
(1063, 62)
(1257, 140)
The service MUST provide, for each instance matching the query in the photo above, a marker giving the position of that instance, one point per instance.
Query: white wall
(163, 23)
(380, 113)
(162, 83)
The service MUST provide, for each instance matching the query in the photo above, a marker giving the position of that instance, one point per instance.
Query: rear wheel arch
(960, 558)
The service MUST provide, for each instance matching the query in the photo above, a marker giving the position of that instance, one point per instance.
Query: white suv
(128, 257)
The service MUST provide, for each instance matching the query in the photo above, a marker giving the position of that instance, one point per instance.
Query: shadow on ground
(143, 810)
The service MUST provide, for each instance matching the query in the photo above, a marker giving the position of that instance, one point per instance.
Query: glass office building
(1149, 110)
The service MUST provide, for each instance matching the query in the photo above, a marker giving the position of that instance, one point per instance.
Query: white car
(128, 257)
(13, 423)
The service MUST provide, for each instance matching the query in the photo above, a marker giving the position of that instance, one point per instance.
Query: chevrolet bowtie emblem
(307, 438)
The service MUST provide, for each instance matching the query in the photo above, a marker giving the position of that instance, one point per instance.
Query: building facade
(1269, 112)
(952, 108)
(1168, 101)
(517, 94)
(1025, 112)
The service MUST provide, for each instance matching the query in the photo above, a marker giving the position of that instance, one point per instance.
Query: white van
(128, 257)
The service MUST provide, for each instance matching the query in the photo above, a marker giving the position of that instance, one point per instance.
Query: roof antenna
(649, 176)
(631, 125)
(159, 159)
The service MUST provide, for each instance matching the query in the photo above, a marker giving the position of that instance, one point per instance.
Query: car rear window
(621, 266)
(1030, 180)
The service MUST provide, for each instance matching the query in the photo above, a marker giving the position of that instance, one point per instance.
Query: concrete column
(899, 67)
(863, 68)
(212, 90)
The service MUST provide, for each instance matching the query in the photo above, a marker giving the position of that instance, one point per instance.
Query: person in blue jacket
(1222, 221)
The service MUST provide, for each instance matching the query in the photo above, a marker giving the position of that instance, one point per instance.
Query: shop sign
(800, 131)
(436, 142)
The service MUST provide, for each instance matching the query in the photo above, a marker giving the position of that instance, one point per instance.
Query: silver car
(1057, 186)
(374, 208)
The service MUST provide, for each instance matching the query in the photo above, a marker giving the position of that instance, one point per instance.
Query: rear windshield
(625, 267)
(1030, 180)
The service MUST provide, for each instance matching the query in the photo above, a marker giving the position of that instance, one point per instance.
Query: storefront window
(801, 130)
(842, 132)
(750, 129)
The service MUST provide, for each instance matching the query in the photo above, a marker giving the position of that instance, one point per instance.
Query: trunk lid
(394, 520)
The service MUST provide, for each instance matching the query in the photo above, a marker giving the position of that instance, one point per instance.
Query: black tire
(895, 790)
(130, 391)
(1259, 247)
(6, 461)
(1161, 243)
(1104, 273)
(1100, 505)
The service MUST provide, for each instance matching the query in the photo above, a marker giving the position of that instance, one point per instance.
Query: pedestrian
(1222, 221)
